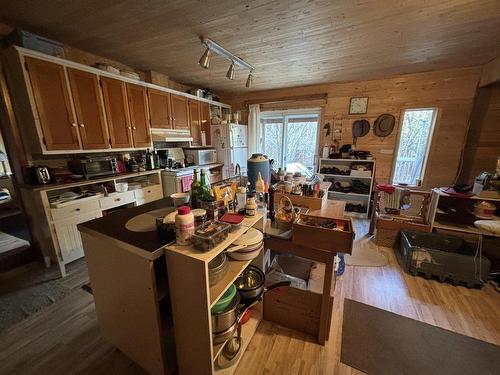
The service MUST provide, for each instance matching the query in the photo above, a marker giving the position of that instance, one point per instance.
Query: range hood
(171, 135)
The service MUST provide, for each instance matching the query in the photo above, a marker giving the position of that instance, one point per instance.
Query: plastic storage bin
(209, 235)
(441, 256)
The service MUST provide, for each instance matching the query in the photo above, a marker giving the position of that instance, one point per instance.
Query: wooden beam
(491, 73)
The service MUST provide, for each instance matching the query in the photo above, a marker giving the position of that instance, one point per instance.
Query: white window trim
(291, 112)
(428, 148)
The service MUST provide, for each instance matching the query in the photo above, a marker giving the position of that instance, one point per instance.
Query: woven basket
(284, 207)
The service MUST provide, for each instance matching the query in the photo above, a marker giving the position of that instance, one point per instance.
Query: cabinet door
(205, 120)
(117, 116)
(89, 109)
(138, 107)
(159, 109)
(68, 236)
(180, 112)
(53, 105)
(195, 121)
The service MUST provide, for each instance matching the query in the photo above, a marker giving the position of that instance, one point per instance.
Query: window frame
(435, 119)
(284, 114)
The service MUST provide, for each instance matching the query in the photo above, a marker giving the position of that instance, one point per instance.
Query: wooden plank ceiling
(290, 43)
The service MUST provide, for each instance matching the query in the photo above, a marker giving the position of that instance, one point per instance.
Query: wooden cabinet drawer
(74, 209)
(149, 193)
(118, 199)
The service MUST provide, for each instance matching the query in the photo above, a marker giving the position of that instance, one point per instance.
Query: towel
(186, 183)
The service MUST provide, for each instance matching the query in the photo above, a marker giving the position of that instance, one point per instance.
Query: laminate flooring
(64, 338)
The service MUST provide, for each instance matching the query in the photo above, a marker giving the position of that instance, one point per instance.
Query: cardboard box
(336, 241)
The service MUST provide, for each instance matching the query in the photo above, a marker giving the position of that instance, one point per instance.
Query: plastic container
(234, 220)
(441, 256)
(225, 300)
(184, 225)
(209, 235)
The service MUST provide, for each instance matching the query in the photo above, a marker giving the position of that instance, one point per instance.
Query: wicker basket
(285, 207)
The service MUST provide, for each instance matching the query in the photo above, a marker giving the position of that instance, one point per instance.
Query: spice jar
(250, 206)
(200, 215)
(184, 225)
(210, 205)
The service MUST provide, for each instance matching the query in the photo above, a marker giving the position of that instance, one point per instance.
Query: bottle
(156, 160)
(149, 160)
(241, 195)
(184, 225)
(204, 191)
(259, 184)
(250, 206)
(195, 188)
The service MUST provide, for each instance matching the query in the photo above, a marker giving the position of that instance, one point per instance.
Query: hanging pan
(360, 128)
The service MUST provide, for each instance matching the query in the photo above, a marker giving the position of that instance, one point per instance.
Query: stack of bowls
(217, 268)
(248, 246)
(225, 315)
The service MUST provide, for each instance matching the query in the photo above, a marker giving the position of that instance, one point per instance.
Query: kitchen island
(127, 270)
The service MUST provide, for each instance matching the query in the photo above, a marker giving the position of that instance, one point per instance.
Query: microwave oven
(195, 156)
(95, 167)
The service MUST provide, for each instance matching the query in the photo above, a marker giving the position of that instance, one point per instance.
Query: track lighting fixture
(230, 72)
(213, 47)
(205, 59)
(249, 80)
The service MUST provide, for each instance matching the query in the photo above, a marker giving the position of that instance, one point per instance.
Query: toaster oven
(95, 167)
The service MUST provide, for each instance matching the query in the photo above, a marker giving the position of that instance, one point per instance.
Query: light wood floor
(64, 338)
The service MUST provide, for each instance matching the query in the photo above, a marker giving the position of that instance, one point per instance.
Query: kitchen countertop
(82, 182)
(113, 225)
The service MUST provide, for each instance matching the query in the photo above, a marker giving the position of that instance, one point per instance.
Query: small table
(283, 244)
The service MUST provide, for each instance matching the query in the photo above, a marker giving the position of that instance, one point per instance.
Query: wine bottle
(195, 190)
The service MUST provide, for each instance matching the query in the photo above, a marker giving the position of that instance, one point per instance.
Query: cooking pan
(250, 284)
(360, 128)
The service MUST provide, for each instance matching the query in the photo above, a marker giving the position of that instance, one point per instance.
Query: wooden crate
(299, 200)
(332, 240)
(294, 308)
(388, 232)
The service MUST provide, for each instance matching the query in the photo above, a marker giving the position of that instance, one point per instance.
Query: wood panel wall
(483, 140)
(451, 91)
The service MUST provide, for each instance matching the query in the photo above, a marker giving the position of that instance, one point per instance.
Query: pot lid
(384, 125)
(251, 237)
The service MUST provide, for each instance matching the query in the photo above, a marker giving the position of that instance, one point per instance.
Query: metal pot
(219, 338)
(227, 317)
(250, 284)
(217, 268)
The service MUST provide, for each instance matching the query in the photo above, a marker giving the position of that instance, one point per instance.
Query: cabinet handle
(129, 127)
(77, 209)
(149, 191)
(73, 124)
(173, 118)
(118, 199)
(82, 125)
(134, 128)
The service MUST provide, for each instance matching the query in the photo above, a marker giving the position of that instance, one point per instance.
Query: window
(290, 137)
(414, 142)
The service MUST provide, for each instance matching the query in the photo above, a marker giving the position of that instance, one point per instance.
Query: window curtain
(254, 130)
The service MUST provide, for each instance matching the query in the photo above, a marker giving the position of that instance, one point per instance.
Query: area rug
(27, 290)
(377, 341)
(365, 254)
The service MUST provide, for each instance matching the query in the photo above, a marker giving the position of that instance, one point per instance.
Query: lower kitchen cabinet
(68, 236)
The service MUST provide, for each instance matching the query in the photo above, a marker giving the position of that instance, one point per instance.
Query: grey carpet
(380, 342)
(29, 289)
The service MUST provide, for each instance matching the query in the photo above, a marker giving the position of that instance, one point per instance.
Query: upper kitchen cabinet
(195, 121)
(89, 109)
(53, 105)
(205, 120)
(180, 112)
(159, 109)
(139, 116)
(115, 102)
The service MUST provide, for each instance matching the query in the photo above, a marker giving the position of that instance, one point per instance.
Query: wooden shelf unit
(349, 197)
(192, 297)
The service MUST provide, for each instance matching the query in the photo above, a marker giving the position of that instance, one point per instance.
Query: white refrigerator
(230, 141)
